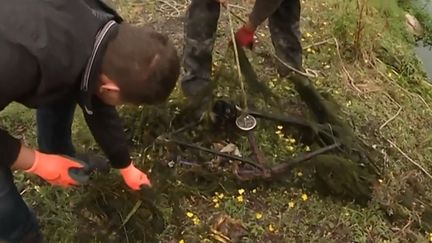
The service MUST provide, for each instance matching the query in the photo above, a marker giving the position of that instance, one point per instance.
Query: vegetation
(372, 80)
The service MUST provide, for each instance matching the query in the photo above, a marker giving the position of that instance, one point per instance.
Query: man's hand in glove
(134, 178)
(245, 36)
(57, 170)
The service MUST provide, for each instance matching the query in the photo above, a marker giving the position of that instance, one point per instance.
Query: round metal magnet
(246, 122)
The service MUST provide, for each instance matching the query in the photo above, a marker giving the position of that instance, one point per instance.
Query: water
(425, 52)
(425, 55)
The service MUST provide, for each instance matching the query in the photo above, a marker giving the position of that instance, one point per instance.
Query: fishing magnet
(246, 122)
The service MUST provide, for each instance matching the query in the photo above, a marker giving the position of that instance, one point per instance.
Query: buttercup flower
(271, 228)
(196, 221)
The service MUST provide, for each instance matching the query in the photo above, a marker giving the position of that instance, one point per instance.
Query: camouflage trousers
(200, 33)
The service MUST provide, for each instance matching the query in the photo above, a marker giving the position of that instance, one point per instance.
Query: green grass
(383, 95)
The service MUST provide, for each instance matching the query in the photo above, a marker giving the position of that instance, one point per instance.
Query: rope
(245, 101)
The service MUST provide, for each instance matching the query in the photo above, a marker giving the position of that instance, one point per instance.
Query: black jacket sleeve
(107, 129)
(18, 76)
(9, 148)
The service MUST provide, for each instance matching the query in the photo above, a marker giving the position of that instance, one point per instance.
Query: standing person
(55, 54)
(200, 33)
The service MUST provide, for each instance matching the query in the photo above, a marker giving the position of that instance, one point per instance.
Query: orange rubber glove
(57, 170)
(134, 178)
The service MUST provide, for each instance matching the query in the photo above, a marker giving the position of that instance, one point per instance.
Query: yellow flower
(258, 215)
(271, 228)
(299, 174)
(215, 199)
(430, 237)
(380, 181)
(189, 214)
(271, 84)
(304, 197)
(196, 221)
(181, 241)
(254, 191)
(241, 191)
(307, 148)
(278, 132)
(291, 140)
(279, 127)
(240, 198)
(290, 148)
(291, 204)
(216, 205)
(220, 196)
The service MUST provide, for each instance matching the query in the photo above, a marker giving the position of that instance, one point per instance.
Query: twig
(310, 73)
(132, 212)
(317, 44)
(173, 5)
(24, 191)
(393, 117)
(281, 168)
(234, 14)
(218, 236)
(237, 6)
(124, 228)
(233, 157)
(350, 79)
(409, 158)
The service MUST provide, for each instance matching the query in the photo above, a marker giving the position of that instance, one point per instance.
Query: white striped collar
(99, 37)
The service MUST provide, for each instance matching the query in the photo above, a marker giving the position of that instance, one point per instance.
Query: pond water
(425, 52)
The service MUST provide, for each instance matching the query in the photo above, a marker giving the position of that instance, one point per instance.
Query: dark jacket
(263, 9)
(50, 51)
